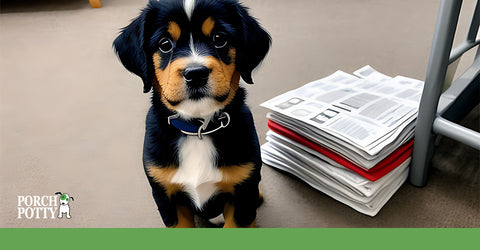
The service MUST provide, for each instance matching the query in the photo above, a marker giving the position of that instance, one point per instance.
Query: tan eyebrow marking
(207, 26)
(174, 30)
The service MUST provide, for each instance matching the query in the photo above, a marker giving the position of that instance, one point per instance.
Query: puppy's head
(64, 199)
(193, 52)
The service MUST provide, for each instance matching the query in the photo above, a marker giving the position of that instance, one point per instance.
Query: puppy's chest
(197, 172)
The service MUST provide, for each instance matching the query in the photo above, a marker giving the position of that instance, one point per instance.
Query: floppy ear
(254, 47)
(129, 46)
(60, 193)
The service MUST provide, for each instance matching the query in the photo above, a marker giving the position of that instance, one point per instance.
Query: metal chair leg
(436, 71)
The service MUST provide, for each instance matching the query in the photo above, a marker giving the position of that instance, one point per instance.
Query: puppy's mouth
(200, 102)
(199, 93)
(196, 94)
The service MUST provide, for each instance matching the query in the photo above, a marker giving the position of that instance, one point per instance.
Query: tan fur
(174, 30)
(163, 176)
(207, 26)
(224, 79)
(185, 218)
(233, 175)
(230, 222)
(171, 84)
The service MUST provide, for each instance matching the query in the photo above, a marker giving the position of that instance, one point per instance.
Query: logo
(64, 207)
(44, 207)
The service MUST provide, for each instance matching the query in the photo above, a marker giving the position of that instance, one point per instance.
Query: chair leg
(437, 67)
(422, 156)
(95, 3)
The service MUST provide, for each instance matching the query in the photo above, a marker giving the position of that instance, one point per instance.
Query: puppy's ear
(129, 46)
(255, 45)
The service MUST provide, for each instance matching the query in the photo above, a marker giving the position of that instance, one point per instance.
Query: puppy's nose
(196, 75)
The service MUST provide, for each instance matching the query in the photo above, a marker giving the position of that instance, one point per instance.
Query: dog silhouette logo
(64, 208)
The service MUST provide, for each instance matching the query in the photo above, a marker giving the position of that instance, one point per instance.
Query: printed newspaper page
(347, 150)
(368, 112)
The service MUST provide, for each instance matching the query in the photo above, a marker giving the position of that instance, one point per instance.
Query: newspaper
(339, 183)
(347, 151)
(368, 72)
(319, 163)
(368, 111)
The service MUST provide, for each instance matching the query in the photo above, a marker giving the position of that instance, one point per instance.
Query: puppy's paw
(219, 220)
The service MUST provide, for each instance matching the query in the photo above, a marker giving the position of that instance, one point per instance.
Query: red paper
(384, 167)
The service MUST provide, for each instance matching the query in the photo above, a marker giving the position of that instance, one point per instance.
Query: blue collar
(190, 128)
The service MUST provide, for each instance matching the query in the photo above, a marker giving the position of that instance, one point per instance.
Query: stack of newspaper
(349, 136)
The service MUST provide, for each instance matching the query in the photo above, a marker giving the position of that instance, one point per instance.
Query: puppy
(64, 208)
(201, 152)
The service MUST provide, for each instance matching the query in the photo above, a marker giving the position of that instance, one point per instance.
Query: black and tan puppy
(201, 152)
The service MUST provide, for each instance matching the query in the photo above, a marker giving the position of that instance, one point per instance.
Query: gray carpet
(72, 118)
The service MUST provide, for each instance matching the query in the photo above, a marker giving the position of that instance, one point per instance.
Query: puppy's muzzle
(196, 75)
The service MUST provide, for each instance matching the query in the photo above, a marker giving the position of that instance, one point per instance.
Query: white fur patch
(189, 5)
(217, 220)
(203, 108)
(197, 172)
(195, 55)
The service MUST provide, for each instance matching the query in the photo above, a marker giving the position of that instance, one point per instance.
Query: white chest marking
(204, 107)
(197, 171)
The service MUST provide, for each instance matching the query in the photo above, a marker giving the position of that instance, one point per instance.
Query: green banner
(295, 239)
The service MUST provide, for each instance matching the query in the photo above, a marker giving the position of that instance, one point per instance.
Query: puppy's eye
(219, 40)
(166, 45)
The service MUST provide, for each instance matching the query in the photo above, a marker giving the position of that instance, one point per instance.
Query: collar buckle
(188, 128)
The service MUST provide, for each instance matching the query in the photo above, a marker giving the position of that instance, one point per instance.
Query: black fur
(236, 144)
(139, 40)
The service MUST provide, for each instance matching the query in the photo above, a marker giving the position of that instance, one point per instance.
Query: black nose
(196, 75)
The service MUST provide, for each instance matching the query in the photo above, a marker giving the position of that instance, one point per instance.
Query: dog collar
(192, 129)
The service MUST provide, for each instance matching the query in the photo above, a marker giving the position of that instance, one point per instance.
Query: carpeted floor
(72, 118)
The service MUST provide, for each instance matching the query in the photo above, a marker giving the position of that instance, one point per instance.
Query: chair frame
(439, 113)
